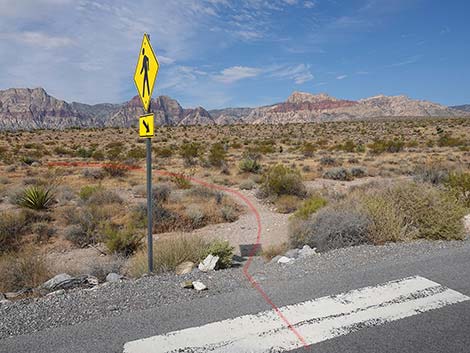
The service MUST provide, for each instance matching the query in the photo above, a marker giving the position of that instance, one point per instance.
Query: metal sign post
(145, 76)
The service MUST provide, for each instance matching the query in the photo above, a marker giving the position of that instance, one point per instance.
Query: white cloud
(309, 4)
(236, 73)
(341, 77)
(38, 39)
(298, 73)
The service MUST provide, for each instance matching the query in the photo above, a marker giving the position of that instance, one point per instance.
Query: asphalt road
(442, 330)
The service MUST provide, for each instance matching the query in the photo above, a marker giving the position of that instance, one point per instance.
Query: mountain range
(24, 108)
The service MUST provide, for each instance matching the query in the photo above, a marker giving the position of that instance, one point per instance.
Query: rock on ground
(209, 263)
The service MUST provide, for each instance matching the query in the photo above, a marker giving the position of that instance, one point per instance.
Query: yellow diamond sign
(146, 72)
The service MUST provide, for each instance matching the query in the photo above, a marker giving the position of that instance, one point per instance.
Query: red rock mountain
(34, 109)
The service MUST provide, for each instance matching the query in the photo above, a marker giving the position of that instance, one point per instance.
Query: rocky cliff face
(464, 108)
(35, 109)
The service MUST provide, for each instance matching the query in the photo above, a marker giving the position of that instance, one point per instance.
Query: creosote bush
(124, 241)
(223, 250)
(310, 206)
(281, 180)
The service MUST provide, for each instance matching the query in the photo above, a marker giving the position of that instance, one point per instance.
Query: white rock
(284, 260)
(199, 286)
(113, 277)
(307, 251)
(209, 263)
(57, 292)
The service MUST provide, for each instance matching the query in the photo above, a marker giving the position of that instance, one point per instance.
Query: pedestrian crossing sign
(146, 125)
(146, 72)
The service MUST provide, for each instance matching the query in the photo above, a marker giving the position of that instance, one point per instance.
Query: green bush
(217, 155)
(308, 149)
(163, 152)
(310, 206)
(89, 190)
(190, 151)
(390, 146)
(338, 173)
(37, 198)
(249, 164)
(223, 250)
(123, 241)
(287, 203)
(282, 180)
(459, 182)
(84, 153)
(137, 153)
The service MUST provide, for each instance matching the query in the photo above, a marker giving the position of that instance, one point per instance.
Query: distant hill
(464, 108)
(24, 108)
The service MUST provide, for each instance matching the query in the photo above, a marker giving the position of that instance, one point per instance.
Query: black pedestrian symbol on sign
(145, 70)
(147, 127)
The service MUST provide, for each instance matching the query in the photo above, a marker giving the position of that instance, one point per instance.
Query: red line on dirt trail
(210, 186)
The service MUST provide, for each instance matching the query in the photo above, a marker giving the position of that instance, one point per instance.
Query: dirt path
(244, 230)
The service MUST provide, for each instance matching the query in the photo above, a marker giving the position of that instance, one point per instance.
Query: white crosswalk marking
(316, 320)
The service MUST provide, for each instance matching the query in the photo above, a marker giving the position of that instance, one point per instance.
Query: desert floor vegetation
(96, 199)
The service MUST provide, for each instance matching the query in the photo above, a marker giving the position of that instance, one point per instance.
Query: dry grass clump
(172, 251)
(272, 251)
(23, 269)
(13, 225)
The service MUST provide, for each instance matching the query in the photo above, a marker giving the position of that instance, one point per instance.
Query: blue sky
(219, 53)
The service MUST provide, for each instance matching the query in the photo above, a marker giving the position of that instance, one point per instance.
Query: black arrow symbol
(146, 126)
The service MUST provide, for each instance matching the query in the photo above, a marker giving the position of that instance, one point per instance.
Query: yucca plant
(37, 198)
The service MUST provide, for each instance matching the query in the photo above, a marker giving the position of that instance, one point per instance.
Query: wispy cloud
(298, 73)
(236, 73)
(341, 77)
(407, 61)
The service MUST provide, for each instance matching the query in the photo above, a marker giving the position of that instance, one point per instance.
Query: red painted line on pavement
(216, 187)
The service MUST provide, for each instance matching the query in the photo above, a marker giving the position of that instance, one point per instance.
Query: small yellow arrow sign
(146, 125)
(146, 72)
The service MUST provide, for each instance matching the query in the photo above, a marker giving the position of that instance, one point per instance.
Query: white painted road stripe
(316, 320)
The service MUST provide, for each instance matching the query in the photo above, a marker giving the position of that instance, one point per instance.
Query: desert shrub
(327, 161)
(190, 151)
(101, 196)
(247, 184)
(124, 241)
(281, 180)
(181, 181)
(430, 212)
(12, 227)
(94, 173)
(448, 140)
(358, 172)
(308, 149)
(37, 198)
(287, 203)
(347, 146)
(163, 152)
(223, 250)
(331, 228)
(196, 216)
(390, 146)
(168, 253)
(115, 170)
(217, 155)
(98, 155)
(434, 173)
(23, 269)
(137, 153)
(338, 173)
(88, 191)
(84, 153)
(272, 251)
(264, 147)
(229, 213)
(459, 182)
(42, 230)
(250, 164)
(310, 206)
(161, 192)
